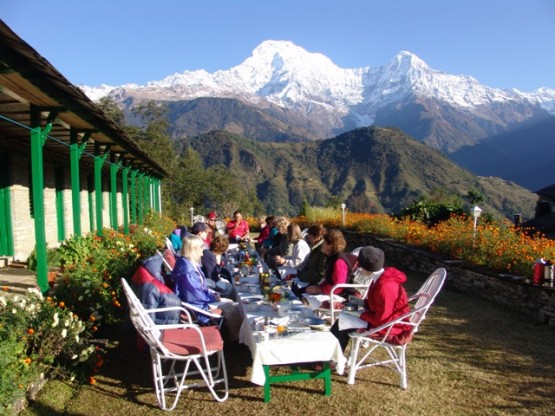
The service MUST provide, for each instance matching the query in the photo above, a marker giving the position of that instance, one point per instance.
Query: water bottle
(539, 271)
(548, 274)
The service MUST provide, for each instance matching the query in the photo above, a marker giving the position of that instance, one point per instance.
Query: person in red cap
(211, 221)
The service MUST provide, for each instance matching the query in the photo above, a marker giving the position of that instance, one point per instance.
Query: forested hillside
(372, 169)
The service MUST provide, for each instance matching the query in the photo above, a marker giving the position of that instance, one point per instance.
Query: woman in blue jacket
(189, 279)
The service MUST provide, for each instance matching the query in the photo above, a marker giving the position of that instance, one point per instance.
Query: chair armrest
(403, 319)
(201, 311)
(171, 308)
(343, 286)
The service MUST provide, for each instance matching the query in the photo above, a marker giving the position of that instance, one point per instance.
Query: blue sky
(501, 43)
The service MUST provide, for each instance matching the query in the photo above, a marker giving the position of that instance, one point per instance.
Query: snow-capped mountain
(453, 110)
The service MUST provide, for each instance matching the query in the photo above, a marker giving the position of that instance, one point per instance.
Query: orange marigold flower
(92, 380)
(5, 288)
(92, 318)
(30, 331)
(94, 328)
(62, 304)
(27, 361)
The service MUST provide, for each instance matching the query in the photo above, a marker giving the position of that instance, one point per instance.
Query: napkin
(280, 321)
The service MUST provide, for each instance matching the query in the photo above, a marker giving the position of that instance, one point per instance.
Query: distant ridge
(372, 169)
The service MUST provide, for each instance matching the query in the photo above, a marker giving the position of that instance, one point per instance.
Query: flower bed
(54, 336)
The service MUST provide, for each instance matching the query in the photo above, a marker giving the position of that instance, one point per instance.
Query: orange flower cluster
(274, 297)
(497, 245)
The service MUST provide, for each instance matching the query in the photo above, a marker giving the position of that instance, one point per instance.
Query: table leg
(326, 372)
(296, 375)
(267, 384)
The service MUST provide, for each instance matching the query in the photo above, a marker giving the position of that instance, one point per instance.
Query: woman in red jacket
(386, 300)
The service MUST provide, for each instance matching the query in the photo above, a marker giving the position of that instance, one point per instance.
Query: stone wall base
(535, 301)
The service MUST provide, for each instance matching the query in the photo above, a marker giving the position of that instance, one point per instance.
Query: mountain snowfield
(287, 75)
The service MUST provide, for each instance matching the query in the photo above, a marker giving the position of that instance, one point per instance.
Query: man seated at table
(386, 300)
(237, 229)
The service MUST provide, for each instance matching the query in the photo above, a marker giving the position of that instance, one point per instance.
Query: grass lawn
(470, 357)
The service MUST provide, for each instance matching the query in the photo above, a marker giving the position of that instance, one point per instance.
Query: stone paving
(17, 280)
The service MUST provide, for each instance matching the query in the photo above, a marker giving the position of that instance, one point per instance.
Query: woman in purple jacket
(190, 281)
(191, 287)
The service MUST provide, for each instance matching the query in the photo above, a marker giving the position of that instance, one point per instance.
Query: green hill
(372, 169)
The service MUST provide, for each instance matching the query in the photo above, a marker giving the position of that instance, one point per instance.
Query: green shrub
(38, 336)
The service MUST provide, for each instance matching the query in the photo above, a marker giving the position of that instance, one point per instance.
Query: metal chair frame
(170, 370)
(366, 343)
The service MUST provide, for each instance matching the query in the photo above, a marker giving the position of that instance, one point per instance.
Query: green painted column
(157, 195)
(124, 198)
(90, 193)
(134, 196)
(38, 138)
(6, 229)
(75, 153)
(141, 197)
(149, 193)
(59, 175)
(98, 163)
(114, 167)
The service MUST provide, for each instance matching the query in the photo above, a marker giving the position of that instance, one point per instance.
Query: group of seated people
(319, 262)
(316, 264)
(192, 270)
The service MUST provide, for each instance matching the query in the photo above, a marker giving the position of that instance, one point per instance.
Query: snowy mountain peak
(404, 61)
(287, 75)
(272, 51)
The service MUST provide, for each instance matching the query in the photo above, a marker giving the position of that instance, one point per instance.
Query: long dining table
(280, 334)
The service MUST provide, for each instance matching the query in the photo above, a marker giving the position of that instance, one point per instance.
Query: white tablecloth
(298, 347)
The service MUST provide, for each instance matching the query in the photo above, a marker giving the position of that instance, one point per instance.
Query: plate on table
(252, 299)
(314, 323)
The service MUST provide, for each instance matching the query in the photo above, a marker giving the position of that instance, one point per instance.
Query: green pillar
(59, 180)
(124, 200)
(114, 167)
(150, 181)
(6, 231)
(75, 153)
(134, 196)
(90, 193)
(98, 162)
(157, 195)
(141, 197)
(38, 138)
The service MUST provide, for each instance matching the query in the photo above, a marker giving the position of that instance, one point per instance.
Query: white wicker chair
(366, 343)
(198, 218)
(220, 226)
(361, 283)
(169, 245)
(174, 347)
